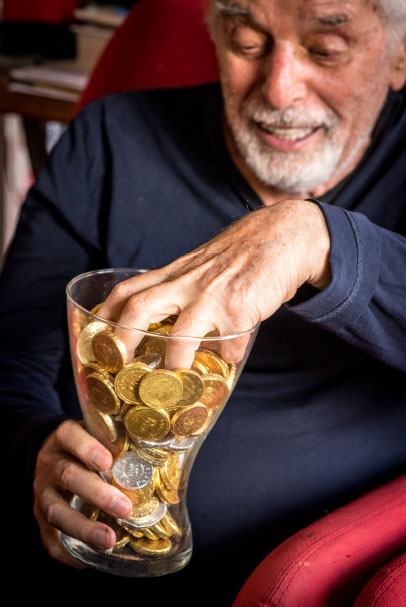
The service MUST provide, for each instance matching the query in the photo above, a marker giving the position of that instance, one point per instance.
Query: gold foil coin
(215, 390)
(93, 367)
(192, 386)
(190, 420)
(170, 522)
(151, 548)
(160, 389)
(161, 531)
(232, 369)
(147, 423)
(171, 471)
(127, 381)
(168, 496)
(212, 361)
(102, 394)
(150, 534)
(109, 433)
(147, 455)
(146, 509)
(199, 367)
(109, 351)
(84, 345)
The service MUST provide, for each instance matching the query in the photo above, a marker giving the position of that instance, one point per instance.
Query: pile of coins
(149, 418)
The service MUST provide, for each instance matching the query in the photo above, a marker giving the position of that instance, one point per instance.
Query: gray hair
(393, 11)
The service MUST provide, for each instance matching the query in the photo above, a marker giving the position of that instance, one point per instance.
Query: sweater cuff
(354, 266)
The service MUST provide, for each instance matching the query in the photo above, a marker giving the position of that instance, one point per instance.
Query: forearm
(364, 302)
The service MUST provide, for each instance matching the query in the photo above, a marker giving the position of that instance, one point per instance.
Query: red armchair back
(162, 43)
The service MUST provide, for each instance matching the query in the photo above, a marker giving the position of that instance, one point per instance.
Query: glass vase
(152, 419)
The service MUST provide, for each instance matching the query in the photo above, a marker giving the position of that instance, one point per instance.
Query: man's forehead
(246, 7)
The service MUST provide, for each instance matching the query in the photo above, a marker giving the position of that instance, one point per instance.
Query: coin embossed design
(109, 351)
(160, 389)
(215, 390)
(102, 394)
(127, 381)
(192, 386)
(131, 472)
(147, 423)
(190, 420)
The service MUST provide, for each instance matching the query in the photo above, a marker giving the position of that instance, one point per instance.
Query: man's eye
(248, 43)
(325, 54)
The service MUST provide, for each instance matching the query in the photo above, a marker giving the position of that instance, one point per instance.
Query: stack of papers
(48, 81)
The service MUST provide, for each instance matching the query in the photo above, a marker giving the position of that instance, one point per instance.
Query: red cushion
(162, 43)
(387, 588)
(327, 563)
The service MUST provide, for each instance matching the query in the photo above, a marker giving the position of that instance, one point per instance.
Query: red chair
(327, 563)
(164, 43)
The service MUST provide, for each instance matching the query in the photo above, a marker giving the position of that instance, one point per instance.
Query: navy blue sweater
(318, 416)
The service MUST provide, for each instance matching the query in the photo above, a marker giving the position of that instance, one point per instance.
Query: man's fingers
(192, 322)
(73, 477)
(113, 306)
(143, 308)
(74, 439)
(57, 513)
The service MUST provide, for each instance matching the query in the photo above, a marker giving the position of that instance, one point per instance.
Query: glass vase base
(123, 564)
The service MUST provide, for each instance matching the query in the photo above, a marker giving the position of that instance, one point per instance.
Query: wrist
(318, 246)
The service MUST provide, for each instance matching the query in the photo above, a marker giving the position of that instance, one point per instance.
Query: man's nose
(284, 77)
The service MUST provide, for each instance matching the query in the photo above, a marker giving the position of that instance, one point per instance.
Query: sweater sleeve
(55, 240)
(364, 303)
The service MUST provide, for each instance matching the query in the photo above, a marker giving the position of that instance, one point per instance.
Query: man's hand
(229, 284)
(62, 469)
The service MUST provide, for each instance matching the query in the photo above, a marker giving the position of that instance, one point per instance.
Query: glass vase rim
(210, 338)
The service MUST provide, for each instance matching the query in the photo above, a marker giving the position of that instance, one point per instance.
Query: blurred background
(47, 51)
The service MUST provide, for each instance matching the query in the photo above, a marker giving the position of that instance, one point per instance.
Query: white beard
(298, 172)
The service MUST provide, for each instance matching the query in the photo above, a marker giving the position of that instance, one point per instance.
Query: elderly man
(276, 197)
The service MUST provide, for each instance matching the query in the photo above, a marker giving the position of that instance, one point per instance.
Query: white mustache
(291, 118)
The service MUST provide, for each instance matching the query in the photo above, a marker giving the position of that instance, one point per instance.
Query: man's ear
(398, 76)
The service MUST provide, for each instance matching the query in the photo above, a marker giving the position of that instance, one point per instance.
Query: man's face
(303, 83)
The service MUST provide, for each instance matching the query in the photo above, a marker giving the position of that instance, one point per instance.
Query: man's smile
(287, 139)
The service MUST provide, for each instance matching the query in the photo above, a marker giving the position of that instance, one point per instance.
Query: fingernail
(121, 506)
(101, 537)
(99, 460)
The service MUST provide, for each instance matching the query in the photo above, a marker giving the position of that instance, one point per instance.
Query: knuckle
(64, 429)
(51, 512)
(67, 472)
(104, 497)
(120, 290)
